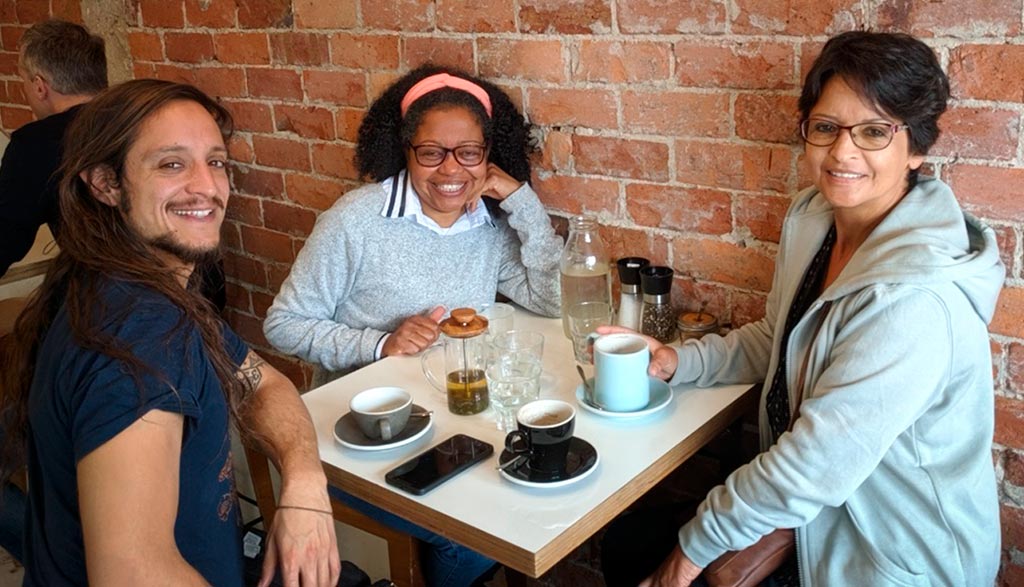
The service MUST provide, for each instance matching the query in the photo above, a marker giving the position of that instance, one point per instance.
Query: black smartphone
(429, 469)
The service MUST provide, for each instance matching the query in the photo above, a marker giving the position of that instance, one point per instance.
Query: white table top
(529, 529)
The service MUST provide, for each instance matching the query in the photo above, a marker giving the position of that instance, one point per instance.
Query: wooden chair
(403, 550)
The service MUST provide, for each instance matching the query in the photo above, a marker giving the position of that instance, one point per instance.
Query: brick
(316, 14)
(560, 17)
(240, 150)
(767, 117)
(313, 192)
(746, 307)
(966, 20)
(160, 13)
(32, 11)
(732, 166)
(281, 153)
(762, 216)
(723, 262)
(9, 64)
(238, 297)
(14, 118)
(629, 242)
(8, 11)
(1010, 425)
(573, 107)
(683, 114)
(335, 160)
(743, 65)
(274, 83)
(251, 116)
(347, 121)
(987, 72)
(10, 36)
(299, 48)
(686, 209)
(475, 16)
(556, 152)
(244, 269)
(229, 238)
(277, 273)
(621, 62)
(1015, 367)
(258, 182)
(978, 132)
(70, 10)
(260, 303)
(335, 87)
(998, 364)
(798, 17)
(457, 53)
(379, 81)
(145, 46)
(261, 14)
(210, 13)
(399, 15)
(245, 210)
(220, 82)
(249, 328)
(1011, 575)
(688, 295)
(671, 16)
(306, 121)
(533, 60)
(614, 157)
(989, 192)
(1009, 309)
(188, 47)
(577, 195)
(267, 244)
(367, 52)
(245, 48)
(288, 219)
(1006, 236)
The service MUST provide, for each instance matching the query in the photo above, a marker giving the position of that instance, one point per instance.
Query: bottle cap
(464, 323)
(656, 280)
(629, 269)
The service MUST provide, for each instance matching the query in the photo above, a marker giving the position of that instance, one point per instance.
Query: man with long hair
(62, 66)
(123, 382)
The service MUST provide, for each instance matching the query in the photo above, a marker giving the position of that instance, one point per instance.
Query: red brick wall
(673, 121)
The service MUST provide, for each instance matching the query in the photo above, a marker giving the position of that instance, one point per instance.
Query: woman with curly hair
(383, 264)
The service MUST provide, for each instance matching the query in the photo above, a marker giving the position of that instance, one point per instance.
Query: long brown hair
(97, 244)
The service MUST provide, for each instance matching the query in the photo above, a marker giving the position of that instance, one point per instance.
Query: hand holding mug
(664, 360)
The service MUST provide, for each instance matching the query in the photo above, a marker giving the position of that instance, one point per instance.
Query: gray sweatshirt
(361, 273)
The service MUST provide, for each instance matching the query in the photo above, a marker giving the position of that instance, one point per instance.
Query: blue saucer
(661, 396)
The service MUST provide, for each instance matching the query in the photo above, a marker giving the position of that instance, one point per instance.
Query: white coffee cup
(621, 383)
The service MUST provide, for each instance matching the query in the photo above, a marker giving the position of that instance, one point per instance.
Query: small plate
(661, 396)
(348, 434)
(580, 463)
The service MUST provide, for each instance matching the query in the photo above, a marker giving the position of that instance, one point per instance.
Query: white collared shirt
(405, 203)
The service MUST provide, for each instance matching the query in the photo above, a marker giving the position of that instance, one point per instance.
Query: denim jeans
(445, 563)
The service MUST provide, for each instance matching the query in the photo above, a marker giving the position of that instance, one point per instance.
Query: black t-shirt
(81, 399)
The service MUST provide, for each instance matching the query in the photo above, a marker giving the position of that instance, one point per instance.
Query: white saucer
(661, 396)
(581, 462)
(348, 434)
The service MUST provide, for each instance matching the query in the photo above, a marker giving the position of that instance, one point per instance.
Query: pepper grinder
(630, 302)
(658, 320)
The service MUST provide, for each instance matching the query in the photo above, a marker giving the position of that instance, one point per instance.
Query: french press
(465, 359)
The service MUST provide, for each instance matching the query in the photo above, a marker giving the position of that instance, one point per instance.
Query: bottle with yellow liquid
(584, 267)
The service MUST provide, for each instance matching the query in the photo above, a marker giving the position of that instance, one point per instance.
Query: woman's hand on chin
(498, 185)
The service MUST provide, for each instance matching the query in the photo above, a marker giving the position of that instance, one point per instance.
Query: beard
(187, 254)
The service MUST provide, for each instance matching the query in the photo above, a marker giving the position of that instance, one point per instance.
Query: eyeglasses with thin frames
(468, 155)
(869, 136)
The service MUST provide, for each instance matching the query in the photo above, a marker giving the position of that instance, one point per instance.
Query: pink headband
(443, 80)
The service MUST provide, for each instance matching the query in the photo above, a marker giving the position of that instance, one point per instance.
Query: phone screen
(438, 464)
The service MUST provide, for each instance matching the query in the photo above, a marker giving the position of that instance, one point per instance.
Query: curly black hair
(384, 132)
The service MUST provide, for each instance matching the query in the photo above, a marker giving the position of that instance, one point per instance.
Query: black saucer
(581, 461)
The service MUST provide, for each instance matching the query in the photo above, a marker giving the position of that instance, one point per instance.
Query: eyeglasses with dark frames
(468, 155)
(869, 136)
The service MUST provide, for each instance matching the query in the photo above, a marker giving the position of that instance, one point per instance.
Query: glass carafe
(465, 361)
(585, 272)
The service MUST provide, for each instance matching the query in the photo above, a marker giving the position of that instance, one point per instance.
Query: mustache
(217, 201)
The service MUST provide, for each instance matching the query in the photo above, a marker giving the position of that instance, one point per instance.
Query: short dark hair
(896, 72)
(384, 132)
(70, 58)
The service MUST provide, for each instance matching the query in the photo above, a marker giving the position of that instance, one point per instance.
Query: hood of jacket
(925, 239)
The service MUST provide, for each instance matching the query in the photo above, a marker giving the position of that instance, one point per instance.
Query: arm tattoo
(250, 373)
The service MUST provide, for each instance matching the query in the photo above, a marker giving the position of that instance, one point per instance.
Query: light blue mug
(621, 383)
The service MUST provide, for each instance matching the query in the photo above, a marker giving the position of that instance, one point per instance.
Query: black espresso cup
(544, 434)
